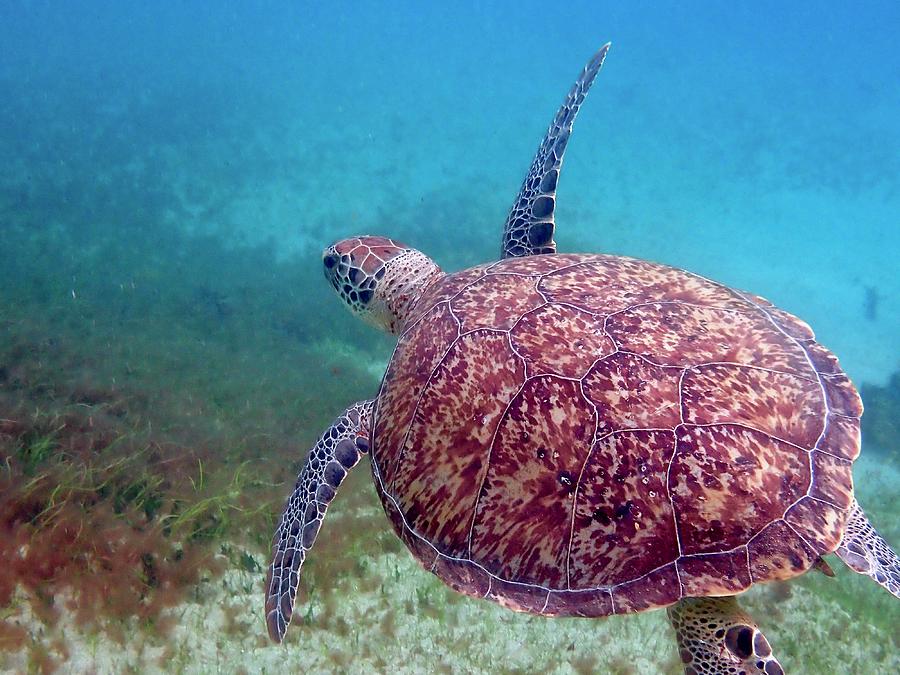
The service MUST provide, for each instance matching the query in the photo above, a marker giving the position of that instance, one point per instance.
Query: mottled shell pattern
(591, 434)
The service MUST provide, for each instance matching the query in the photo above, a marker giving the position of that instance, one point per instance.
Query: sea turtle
(585, 435)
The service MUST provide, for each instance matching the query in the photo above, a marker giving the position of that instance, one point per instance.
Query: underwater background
(169, 350)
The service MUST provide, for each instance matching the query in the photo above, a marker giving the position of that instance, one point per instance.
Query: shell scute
(783, 405)
(444, 291)
(658, 588)
(609, 284)
(834, 480)
(777, 552)
(728, 482)
(517, 597)
(842, 396)
(539, 334)
(408, 373)
(632, 393)
(462, 575)
(785, 321)
(622, 505)
(820, 524)
(525, 503)
(422, 549)
(672, 333)
(497, 301)
(842, 437)
(822, 359)
(443, 453)
(724, 573)
(790, 324)
(589, 603)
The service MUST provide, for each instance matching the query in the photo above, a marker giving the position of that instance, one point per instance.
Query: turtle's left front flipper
(864, 551)
(336, 452)
(530, 225)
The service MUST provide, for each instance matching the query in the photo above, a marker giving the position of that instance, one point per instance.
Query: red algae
(13, 637)
(102, 521)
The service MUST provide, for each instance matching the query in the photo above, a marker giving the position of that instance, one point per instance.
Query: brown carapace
(587, 435)
(584, 435)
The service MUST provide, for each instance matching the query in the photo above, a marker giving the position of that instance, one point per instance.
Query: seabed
(140, 491)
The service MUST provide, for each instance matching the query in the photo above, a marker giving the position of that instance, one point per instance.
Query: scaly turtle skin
(591, 434)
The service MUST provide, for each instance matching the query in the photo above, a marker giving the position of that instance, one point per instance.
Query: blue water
(184, 151)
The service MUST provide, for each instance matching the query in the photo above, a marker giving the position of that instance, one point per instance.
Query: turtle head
(378, 279)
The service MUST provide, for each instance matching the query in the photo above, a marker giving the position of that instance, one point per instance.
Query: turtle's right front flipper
(530, 223)
(337, 451)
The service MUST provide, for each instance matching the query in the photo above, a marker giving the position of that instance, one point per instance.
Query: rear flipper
(337, 450)
(716, 637)
(864, 551)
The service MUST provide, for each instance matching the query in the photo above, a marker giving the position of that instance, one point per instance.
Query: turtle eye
(330, 261)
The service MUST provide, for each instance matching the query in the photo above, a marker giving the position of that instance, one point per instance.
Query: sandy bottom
(391, 616)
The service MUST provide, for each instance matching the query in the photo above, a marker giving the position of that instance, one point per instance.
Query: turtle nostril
(330, 261)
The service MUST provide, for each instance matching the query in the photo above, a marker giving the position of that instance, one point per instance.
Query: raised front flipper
(716, 637)
(337, 451)
(529, 226)
(864, 551)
